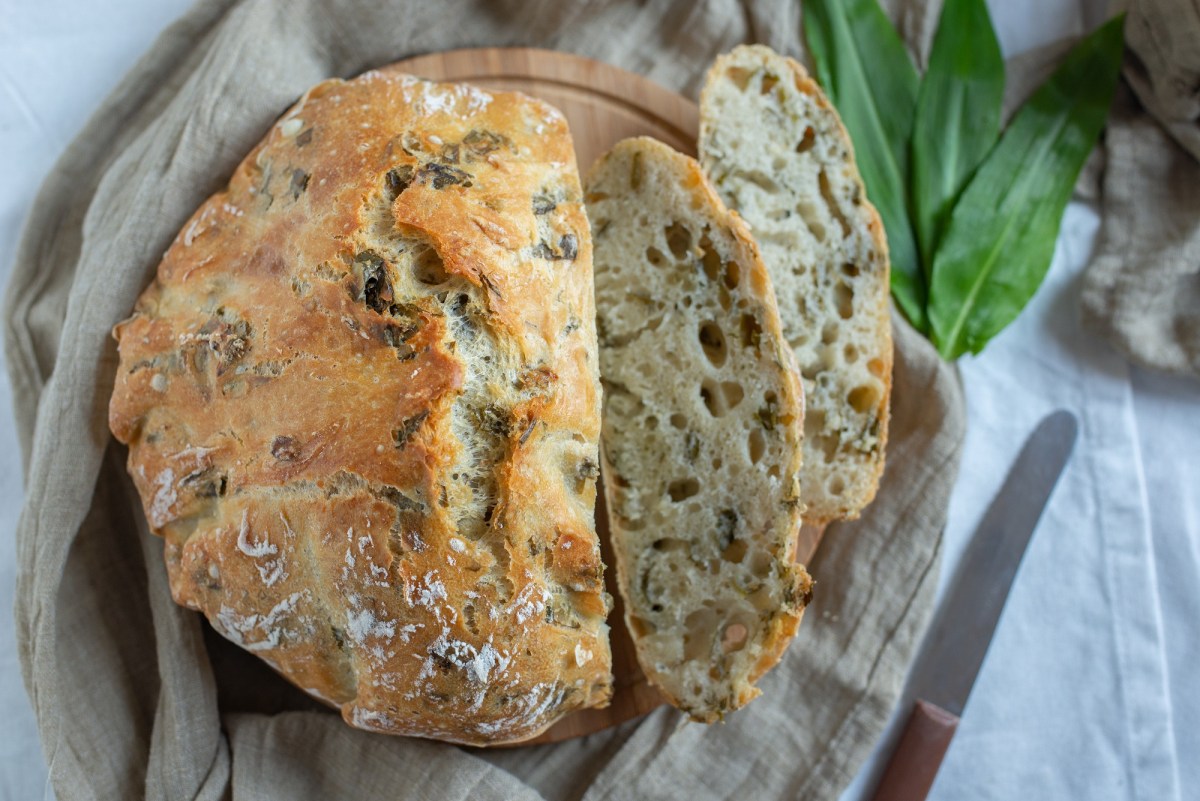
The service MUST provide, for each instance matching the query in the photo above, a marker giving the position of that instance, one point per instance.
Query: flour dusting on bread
(362, 407)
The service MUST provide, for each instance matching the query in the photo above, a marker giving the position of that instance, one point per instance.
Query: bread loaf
(778, 154)
(362, 409)
(702, 426)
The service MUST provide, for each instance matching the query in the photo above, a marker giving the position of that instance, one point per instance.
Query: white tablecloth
(1091, 689)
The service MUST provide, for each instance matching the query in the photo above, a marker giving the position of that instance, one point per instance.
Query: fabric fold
(1142, 289)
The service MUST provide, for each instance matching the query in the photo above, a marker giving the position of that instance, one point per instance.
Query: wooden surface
(603, 104)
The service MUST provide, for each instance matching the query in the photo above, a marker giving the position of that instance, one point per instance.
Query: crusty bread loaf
(778, 154)
(702, 426)
(362, 407)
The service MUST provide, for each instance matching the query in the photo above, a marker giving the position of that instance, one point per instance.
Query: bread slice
(702, 427)
(777, 153)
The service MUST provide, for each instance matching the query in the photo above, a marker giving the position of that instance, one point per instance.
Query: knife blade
(957, 642)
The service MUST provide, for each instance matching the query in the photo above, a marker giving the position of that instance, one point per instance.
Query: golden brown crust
(362, 408)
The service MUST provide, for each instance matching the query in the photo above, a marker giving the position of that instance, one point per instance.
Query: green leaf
(957, 119)
(864, 67)
(1001, 235)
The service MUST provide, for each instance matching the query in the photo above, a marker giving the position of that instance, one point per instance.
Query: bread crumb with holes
(701, 443)
(777, 153)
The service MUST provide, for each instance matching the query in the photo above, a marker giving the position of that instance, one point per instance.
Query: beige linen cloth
(1142, 289)
(137, 698)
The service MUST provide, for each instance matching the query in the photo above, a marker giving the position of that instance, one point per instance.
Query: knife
(958, 640)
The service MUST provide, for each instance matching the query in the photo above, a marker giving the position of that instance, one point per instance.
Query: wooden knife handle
(916, 760)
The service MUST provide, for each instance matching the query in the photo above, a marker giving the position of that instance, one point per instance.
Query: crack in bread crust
(362, 407)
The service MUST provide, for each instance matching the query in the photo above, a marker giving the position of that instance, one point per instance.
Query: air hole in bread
(829, 333)
(710, 260)
(751, 331)
(828, 445)
(700, 629)
(761, 599)
(641, 628)
(837, 486)
(844, 299)
(669, 544)
(779, 165)
(735, 552)
(768, 83)
(775, 215)
(717, 464)
(679, 421)
(733, 393)
(636, 173)
(756, 445)
(724, 298)
(863, 399)
(655, 256)
(469, 618)
(850, 353)
(850, 270)
(760, 563)
(773, 471)
(762, 181)
(683, 489)
(712, 339)
(679, 240)
(733, 274)
(812, 218)
(714, 401)
(807, 141)
(429, 268)
(831, 201)
(876, 367)
(651, 423)
(740, 76)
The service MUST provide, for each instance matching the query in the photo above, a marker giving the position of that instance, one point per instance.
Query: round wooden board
(603, 105)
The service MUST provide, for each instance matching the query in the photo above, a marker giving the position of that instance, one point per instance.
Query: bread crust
(840, 430)
(769, 523)
(362, 408)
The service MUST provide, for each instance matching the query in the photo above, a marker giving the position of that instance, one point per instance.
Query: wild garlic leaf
(957, 118)
(1002, 231)
(863, 66)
